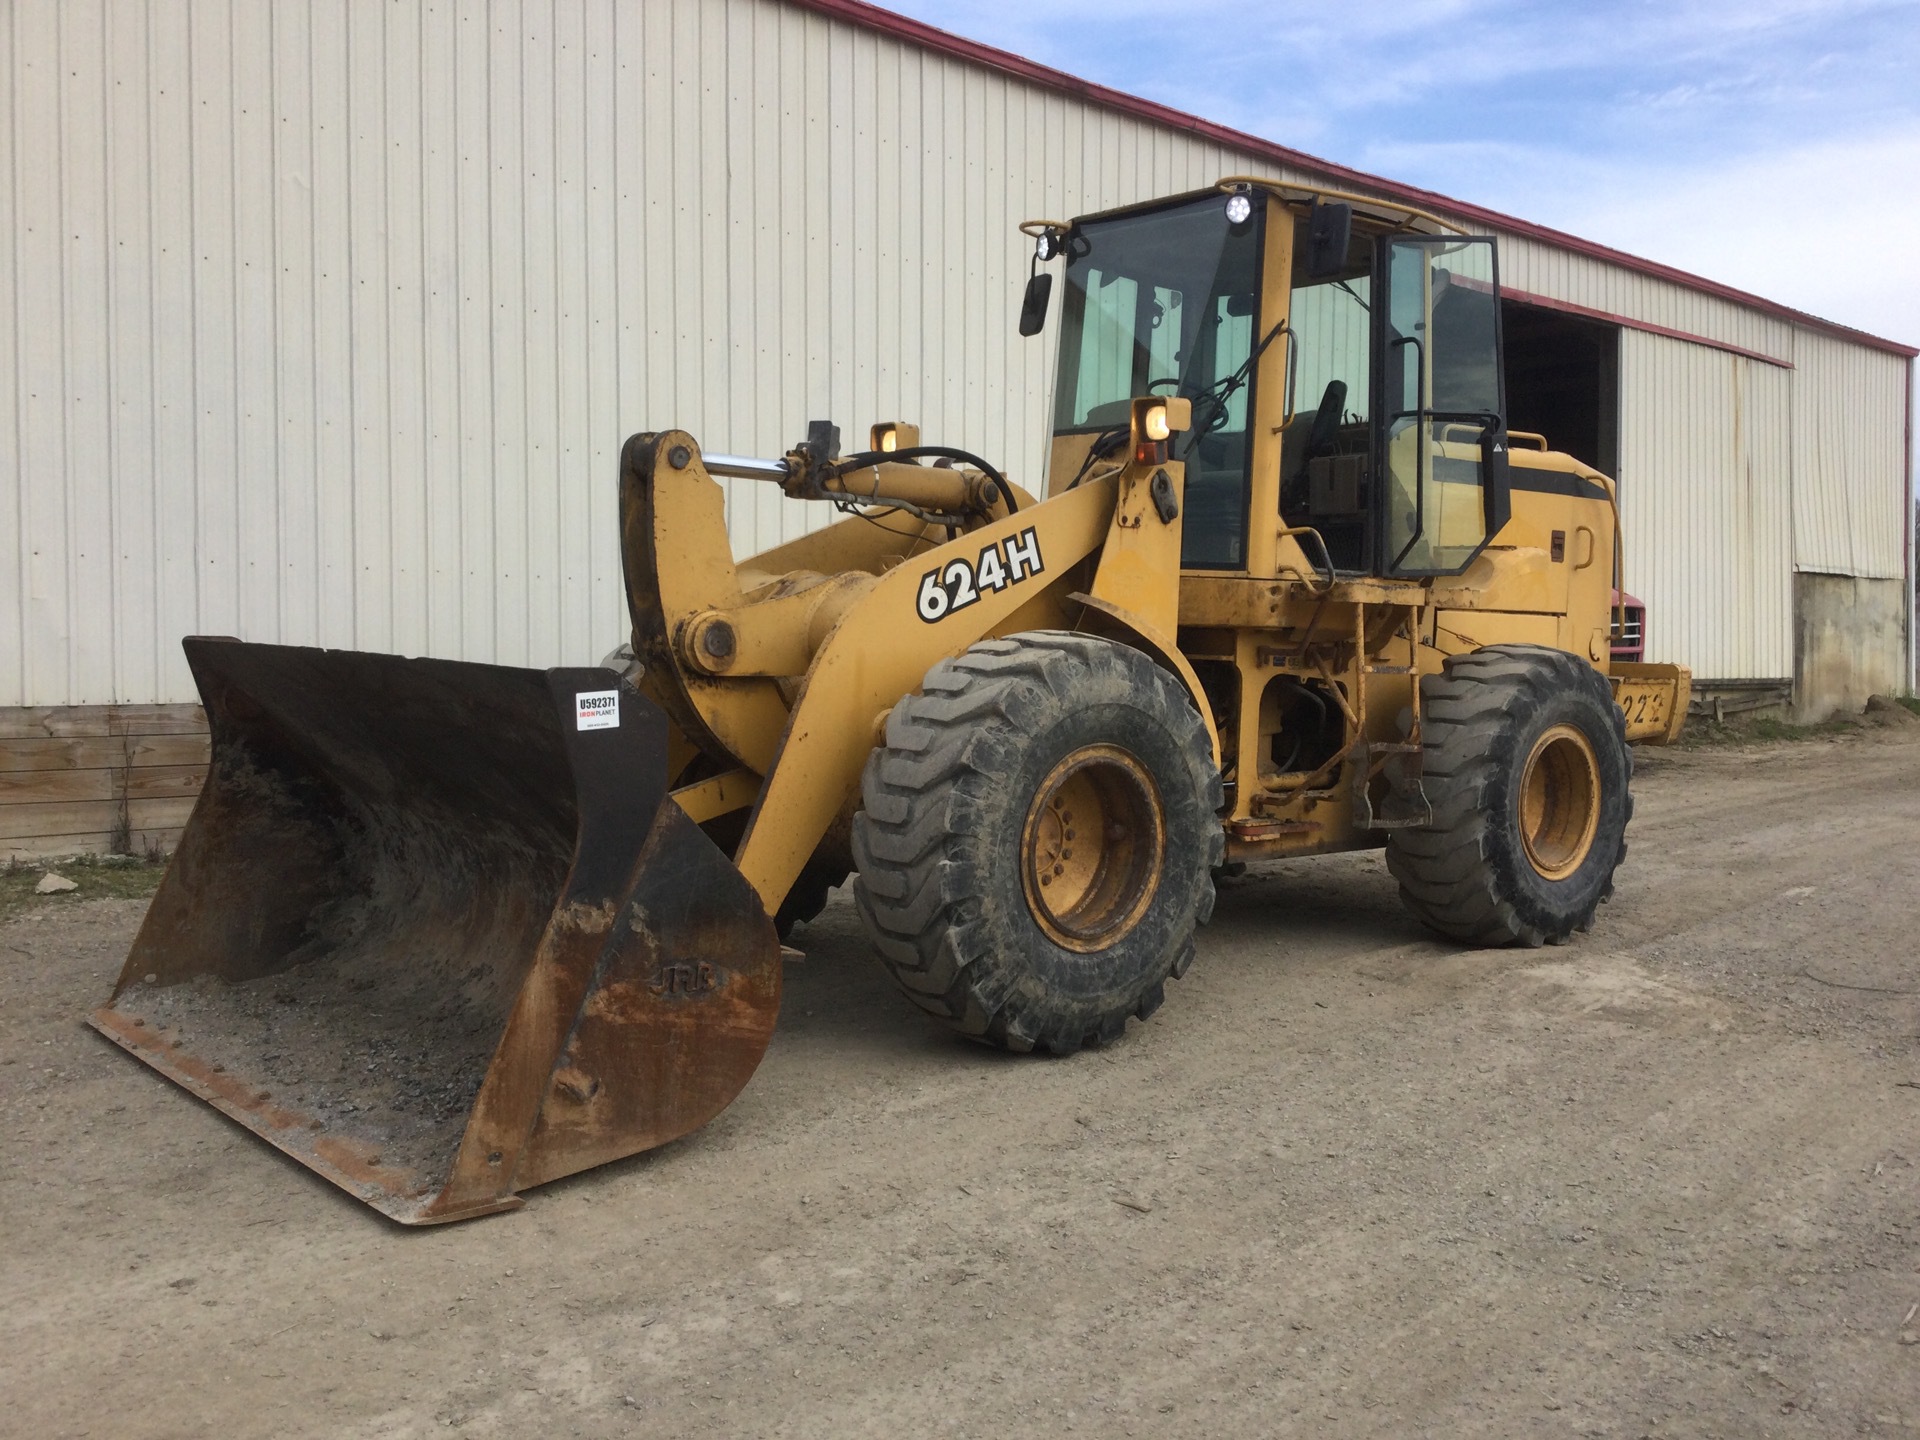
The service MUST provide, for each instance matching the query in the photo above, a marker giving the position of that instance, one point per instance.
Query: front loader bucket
(435, 930)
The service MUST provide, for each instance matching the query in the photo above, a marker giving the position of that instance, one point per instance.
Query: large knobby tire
(1525, 761)
(1037, 840)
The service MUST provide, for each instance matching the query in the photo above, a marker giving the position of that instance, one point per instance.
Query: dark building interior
(1563, 381)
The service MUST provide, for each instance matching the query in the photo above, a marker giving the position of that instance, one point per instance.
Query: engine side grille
(1630, 644)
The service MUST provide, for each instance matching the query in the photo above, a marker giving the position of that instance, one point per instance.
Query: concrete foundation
(1849, 642)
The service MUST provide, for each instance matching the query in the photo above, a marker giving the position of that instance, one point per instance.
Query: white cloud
(1826, 227)
(1773, 145)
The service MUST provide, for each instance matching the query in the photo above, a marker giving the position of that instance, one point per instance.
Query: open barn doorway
(1563, 381)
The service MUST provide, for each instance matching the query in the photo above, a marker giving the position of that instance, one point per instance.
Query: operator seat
(1303, 444)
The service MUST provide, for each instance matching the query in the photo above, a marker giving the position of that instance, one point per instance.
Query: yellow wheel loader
(444, 931)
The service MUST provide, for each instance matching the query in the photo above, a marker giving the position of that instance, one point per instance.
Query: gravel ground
(1348, 1182)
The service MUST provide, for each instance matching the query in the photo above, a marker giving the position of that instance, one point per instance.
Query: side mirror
(1033, 307)
(1329, 233)
(1496, 481)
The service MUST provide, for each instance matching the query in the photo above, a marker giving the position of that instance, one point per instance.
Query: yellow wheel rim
(1092, 848)
(1559, 802)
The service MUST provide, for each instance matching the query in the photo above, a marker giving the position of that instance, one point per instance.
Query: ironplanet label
(596, 709)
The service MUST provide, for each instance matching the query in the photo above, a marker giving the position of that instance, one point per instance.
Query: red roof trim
(872, 17)
(1546, 302)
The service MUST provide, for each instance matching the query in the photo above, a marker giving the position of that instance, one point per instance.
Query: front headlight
(1155, 418)
(892, 435)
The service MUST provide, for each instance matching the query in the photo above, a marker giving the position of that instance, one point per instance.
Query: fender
(1110, 622)
(924, 610)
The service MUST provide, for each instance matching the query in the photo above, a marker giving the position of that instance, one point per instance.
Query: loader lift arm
(569, 970)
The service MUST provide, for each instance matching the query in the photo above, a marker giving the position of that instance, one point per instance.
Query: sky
(1772, 145)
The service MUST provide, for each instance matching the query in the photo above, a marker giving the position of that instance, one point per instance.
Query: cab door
(1440, 428)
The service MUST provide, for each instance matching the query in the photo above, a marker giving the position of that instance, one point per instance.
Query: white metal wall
(1849, 423)
(1542, 269)
(326, 318)
(1706, 505)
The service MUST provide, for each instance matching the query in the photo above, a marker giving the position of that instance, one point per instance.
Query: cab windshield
(1164, 302)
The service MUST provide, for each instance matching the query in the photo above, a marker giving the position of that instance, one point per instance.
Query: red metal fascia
(872, 17)
(1545, 302)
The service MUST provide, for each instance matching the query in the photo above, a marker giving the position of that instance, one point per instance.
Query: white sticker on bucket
(596, 709)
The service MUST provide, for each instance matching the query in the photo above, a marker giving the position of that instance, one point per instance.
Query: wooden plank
(164, 841)
(87, 817)
(62, 721)
(103, 752)
(148, 782)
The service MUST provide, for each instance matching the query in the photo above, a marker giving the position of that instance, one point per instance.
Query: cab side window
(1324, 451)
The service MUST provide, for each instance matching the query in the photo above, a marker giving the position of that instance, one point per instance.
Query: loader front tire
(1525, 762)
(1037, 838)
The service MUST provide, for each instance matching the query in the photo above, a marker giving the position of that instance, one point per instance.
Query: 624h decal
(958, 583)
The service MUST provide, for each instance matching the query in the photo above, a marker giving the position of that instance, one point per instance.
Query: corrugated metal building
(326, 320)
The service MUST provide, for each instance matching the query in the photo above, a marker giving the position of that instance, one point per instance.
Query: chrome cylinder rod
(745, 467)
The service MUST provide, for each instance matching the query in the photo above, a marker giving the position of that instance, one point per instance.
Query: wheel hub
(1559, 801)
(1092, 848)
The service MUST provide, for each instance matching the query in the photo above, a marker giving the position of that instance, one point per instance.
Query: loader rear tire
(1526, 765)
(1037, 838)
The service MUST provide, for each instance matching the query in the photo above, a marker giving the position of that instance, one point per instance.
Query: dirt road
(1348, 1182)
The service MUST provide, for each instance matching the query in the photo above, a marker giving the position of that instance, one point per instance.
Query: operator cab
(1163, 302)
(1388, 407)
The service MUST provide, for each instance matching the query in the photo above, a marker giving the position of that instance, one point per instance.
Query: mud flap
(435, 931)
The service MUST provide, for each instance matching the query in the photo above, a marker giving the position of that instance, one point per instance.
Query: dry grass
(99, 877)
(1701, 733)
